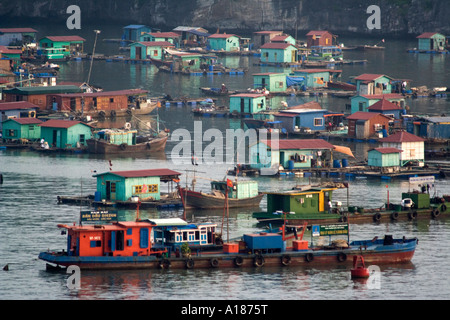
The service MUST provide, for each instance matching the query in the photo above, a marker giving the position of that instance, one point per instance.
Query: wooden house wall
(14, 130)
(436, 42)
(381, 85)
(324, 40)
(39, 100)
(377, 159)
(99, 103)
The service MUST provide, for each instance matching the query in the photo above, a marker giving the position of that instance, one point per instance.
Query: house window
(318, 122)
(12, 133)
(96, 243)
(361, 106)
(280, 84)
(155, 53)
(30, 128)
(137, 189)
(111, 100)
(82, 138)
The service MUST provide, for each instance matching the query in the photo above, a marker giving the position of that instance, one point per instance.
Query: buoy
(359, 271)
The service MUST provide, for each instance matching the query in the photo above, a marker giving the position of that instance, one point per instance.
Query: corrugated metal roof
(27, 120)
(143, 173)
(370, 77)
(57, 123)
(438, 119)
(164, 34)
(402, 136)
(155, 43)
(317, 33)
(248, 95)
(361, 115)
(387, 150)
(17, 105)
(17, 30)
(296, 144)
(222, 36)
(427, 35)
(43, 90)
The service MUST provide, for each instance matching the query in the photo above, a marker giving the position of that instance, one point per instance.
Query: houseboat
(312, 205)
(234, 194)
(123, 141)
(154, 244)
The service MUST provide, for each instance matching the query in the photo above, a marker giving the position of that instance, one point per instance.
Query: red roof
(279, 38)
(296, 144)
(276, 45)
(146, 173)
(383, 96)
(56, 123)
(384, 105)
(426, 35)
(402, 136)
(222, 35)
(27, 120)
(361, 115)
(17, 30)
(164, 34)
(65, 38)
(317, 33)
(388, 150)
(369, 77)
(16, 105)
(156, 43)
(4, 49)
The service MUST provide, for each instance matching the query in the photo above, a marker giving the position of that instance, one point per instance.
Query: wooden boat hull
(365, 217)
(376, 252)
(102, 147)
(200, 200)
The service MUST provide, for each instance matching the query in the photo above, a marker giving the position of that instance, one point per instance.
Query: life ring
(435, 213)
(377, 217)
(412, 215)
(394, 215)
(127, 126)
(189, 263)
(443, 208)
(102, 114)
(214, 262)
(341, 257)
(309, 257)
(149, 145)
(123, 146)
(164, 264)
(285, 259)
(258, 261)
(238, 261)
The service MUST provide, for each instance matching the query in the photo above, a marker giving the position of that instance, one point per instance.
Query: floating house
(38, 96)
(430, 128)
(192, 36)
(363, 102)
(126, 185)
(431, 41)
(364, 125)
(317, 78)
(65, 134)
(133, 32)
(278, 53)
(367, 84)
(387, 108)
(60, 47)
(14, 55)
(247, 103)
(17, 36)
(171, 37)
(387, 159)
(290, 153)
(413, 147)
(224, 42)
(147, 50)
(301, 120)
(17, 110)
(272, 81)
(262, 37)
(111, 103)
(319, 38)
(21, 129)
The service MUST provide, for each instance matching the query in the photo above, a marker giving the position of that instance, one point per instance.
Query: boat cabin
(133, 184)
(240, 189)
(367, 84)
(173, 233)
(327, 53)
(387, 159)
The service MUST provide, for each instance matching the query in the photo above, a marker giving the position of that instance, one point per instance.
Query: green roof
(43, 90)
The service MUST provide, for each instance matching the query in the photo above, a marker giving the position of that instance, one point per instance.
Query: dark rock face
(398, 17)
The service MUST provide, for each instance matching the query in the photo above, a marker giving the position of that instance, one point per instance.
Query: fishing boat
(118, 141)
(312, 205)
(217, 91)
(233, 194)
(162, 244)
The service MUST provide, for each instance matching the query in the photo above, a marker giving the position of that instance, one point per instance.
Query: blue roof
(135, 26)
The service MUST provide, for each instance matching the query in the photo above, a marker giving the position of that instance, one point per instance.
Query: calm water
(29, 211)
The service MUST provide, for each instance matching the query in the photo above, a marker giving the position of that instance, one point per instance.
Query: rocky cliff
(398, 17)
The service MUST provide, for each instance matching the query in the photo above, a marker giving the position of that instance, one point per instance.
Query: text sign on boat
(429, 179)
(95, 216)
(329, 230)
